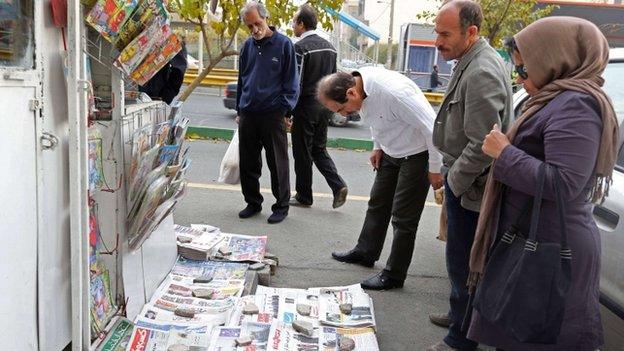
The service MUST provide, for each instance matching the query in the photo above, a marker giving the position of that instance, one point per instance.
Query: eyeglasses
(522, 72)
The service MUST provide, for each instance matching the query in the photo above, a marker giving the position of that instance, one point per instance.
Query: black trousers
(399, 193)
(309, 141)
(266, 130)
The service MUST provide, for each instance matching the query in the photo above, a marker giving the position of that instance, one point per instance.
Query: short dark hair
(470, 13)
(334, 87)
(307, 16)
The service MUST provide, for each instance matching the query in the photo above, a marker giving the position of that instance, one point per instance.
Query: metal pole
(200, 51)
(78, 181)
(389, 58)
(236, 48)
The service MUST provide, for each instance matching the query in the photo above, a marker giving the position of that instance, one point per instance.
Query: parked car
(608, 215)
(335, 119)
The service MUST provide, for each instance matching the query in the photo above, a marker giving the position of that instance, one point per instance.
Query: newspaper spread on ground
(362, 311)
(157, 336)
(217, 270)
(242, 248)
(364, 338)
(184, 286)
(284, 338)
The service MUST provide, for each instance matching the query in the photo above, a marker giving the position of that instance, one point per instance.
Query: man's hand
(375, 159)
(495, 142)
(237, 119)
(288, 122)
(436, 180)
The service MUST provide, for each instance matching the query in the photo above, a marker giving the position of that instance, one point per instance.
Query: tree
(222, 18)
(503, 18)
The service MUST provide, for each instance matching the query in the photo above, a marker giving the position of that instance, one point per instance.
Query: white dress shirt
(399, 115)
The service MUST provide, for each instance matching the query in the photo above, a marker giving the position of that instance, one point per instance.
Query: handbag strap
(560, 203)
(537, 206)
(561, 210)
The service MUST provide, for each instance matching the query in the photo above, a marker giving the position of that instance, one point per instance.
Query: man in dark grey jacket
(316, 58)
(478, 96)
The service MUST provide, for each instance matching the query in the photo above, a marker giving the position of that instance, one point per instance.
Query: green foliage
(226, 22)
(383, 53)
(502, 18)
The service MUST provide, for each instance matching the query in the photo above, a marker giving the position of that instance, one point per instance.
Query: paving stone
(346, 308)
(178, 347)
(184, 312)
(243, 341)
(303, 327)
(225, 251)
(203, 293)
(202, 280)
(304, 309)
(251, 308)
(184, 239)
(346, 344)
(257, 266)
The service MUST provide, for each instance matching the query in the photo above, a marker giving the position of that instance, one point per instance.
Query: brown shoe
(441, 346)
(440, 319)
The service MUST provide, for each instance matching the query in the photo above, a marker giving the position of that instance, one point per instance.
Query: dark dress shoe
(440, 319)
(277, 217)
(353, 256)
(381, 281)
(340, 197)
(249, 211)
(294, 201)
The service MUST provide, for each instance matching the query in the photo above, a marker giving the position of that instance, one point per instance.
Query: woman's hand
(495, 142)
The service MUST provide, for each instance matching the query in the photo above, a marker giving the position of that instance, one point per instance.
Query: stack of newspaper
(205, 242)
(197, 242)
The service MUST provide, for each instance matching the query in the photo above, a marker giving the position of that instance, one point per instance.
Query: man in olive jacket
(478, 96)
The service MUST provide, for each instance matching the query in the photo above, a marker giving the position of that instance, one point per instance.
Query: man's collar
(270, 39)
(463, 61)
(307, 34)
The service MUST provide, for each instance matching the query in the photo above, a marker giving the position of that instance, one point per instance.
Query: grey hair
(254, 5)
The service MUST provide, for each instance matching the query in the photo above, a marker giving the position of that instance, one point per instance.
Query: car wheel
(337, 120)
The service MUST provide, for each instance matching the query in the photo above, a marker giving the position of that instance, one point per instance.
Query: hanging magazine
(133, 55)
(156, 59)
(108, 16)
(144, 13)
(102, 308)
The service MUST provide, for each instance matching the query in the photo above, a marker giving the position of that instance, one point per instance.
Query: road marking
(237, 188)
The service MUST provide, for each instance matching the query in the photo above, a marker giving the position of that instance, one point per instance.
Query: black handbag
(525, 282)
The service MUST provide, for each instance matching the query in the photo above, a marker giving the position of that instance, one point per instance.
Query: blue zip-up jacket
(268, 80)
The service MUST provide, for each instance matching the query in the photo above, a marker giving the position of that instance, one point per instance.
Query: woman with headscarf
(569, 123)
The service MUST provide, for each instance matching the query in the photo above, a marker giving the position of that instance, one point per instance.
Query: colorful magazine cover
(156, 59)
(94, 237)
(96, 173)
(108, 16)
(134, 53)
(102, 307)
(145, 12)
(118, 336)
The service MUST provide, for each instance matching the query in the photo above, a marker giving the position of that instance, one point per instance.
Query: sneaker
(249, 211)
(340, 197)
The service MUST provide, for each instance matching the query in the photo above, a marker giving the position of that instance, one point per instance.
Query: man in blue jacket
(268, 88)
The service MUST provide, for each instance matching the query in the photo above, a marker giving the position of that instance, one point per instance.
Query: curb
(204, 133)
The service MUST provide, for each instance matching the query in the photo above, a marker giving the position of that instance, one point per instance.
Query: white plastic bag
(229, 171)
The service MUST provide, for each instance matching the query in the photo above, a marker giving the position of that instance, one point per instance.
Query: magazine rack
(134, 276)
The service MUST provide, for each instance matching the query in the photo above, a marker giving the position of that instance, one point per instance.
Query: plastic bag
(229, 171)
